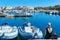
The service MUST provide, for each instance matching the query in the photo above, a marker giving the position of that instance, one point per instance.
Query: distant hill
(56, 7)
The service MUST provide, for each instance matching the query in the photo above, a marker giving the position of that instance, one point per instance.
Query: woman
(25, 24)
(48, 32)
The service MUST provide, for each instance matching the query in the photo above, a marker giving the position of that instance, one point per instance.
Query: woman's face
(48, 26)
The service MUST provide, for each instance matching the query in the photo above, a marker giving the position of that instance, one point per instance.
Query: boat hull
(8, 35)
(29, 35)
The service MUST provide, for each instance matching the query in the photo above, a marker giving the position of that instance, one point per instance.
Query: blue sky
(29, 2)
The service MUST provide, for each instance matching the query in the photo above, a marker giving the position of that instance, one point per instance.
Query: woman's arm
(45, 32)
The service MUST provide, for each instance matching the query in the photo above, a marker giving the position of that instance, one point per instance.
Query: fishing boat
(8, 32)
(30, 32)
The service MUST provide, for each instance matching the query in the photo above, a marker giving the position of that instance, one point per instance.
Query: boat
(23, 15)
(9, 16)
(59, 38)
(26, 15)
(53, 12)
(8, 32)
(30, 32)
(2, 15)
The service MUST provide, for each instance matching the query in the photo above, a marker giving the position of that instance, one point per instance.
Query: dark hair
(5, 24)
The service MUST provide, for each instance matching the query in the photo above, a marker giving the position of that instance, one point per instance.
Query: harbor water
(39, 20)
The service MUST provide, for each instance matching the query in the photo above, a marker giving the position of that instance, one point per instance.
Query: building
(8, 8)
(20, 7)
(28, 8)
(25, 7)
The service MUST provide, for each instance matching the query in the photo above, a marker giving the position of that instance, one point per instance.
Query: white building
(8, 7)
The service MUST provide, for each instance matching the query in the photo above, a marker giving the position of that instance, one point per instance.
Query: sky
(34, 3)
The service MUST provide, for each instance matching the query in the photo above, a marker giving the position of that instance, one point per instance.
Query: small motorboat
(9, 16)
(30, 32)
(26, 15)
(8, 32)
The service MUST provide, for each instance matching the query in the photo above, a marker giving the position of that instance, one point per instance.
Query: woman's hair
(5, 24)
(49, 23)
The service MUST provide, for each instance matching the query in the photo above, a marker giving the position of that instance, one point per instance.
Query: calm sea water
(39, 20)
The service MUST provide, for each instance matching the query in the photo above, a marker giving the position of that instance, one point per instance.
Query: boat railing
(23, 32)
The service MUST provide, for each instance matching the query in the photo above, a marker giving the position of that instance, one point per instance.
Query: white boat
(27, 14)
(23, 15)
(7, 32)
(59, 38)
(28, 32)
(54, 12)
